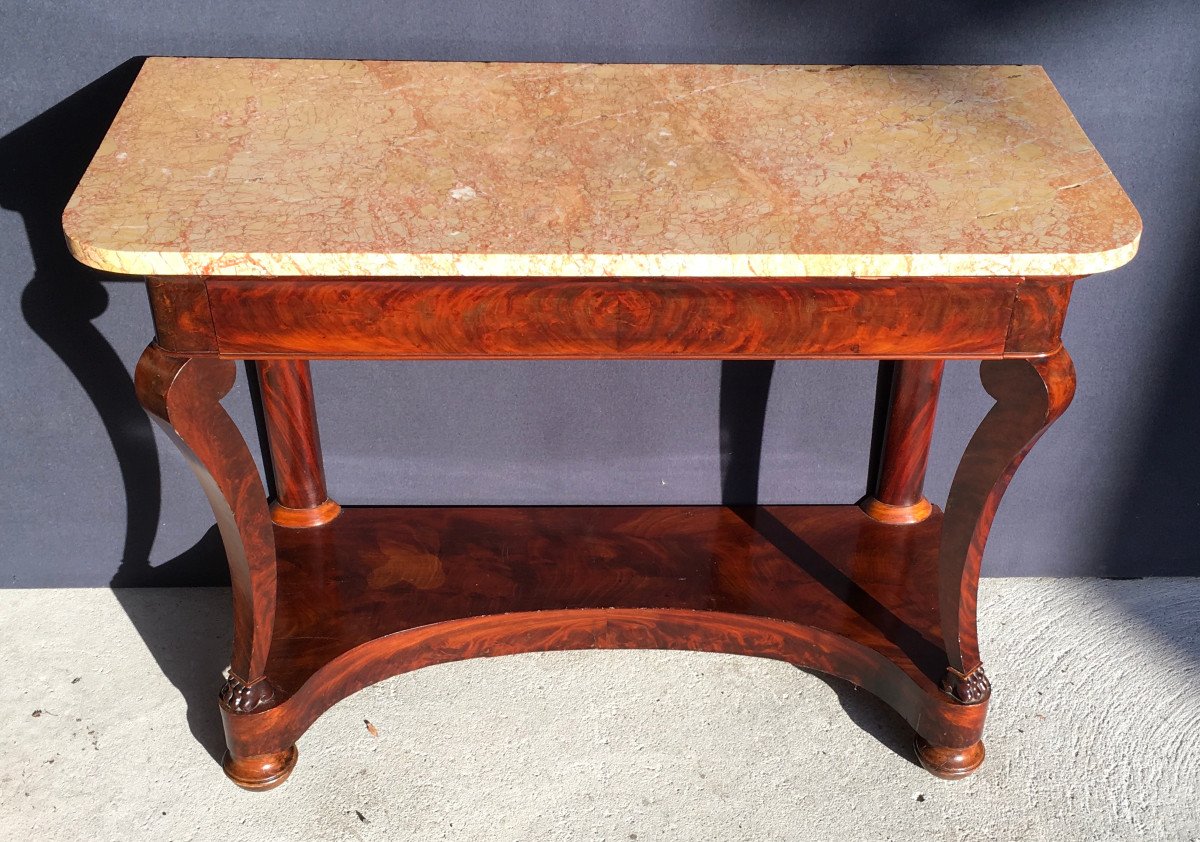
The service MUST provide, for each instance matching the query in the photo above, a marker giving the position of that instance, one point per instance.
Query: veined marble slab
(299, 167)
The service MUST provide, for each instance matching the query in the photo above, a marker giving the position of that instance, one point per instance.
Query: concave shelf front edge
(382, 591)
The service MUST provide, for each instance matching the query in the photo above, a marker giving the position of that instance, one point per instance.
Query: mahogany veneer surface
(361, 168)
(908, 213)
(374, 571)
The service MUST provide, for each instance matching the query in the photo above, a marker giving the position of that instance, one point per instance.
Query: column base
(895, 515)
(303, 518)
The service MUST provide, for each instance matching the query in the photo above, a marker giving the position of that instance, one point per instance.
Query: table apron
(466, 318)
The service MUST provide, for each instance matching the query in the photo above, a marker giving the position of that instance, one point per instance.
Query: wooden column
(898, 496)
(295, 443)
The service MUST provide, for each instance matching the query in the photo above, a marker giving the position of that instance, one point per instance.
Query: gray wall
(94, 495)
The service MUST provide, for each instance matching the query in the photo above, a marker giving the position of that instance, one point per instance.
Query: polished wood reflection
(183, 395)
(295, 444)
(912, 409)
(609, 318)
(382, 591)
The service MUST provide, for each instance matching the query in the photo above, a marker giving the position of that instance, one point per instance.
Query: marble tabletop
(300, 167)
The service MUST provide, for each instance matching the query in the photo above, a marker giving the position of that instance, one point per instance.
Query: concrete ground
(109, 729)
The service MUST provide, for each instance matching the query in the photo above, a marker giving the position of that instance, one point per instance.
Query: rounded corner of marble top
(1117, 256)
(997, 232)
(94, 254)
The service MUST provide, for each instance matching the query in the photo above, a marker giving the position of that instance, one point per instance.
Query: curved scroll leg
(1030, 395)
(183, 394)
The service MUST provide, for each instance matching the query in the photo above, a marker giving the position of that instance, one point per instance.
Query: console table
(288, 210)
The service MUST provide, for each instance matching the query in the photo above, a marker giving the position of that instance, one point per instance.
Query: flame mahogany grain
(480, 318)
(1030, 396)
(471, 318)
(1038, 312)
(184, 396)
(182, 319)
(912, 409)
(295, 444)
(882, 593)
(383, 591)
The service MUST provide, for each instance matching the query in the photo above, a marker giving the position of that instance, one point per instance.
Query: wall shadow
(43, 161)
(744, 390)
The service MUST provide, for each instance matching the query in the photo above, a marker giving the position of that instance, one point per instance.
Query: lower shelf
(380, 591)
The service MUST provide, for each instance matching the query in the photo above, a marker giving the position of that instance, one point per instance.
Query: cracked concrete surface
(108, 730)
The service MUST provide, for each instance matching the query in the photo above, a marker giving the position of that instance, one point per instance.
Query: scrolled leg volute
(183, 395)
(1031, 394)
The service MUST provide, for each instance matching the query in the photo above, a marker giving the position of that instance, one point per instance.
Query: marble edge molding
(367, 264)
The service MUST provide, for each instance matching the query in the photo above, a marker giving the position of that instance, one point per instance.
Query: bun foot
(260, 772)
(949, 763)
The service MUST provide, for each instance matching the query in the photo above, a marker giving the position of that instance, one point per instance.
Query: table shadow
(43, 161)
(872, 716)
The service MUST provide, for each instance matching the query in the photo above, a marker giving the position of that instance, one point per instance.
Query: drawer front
(603, 318)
